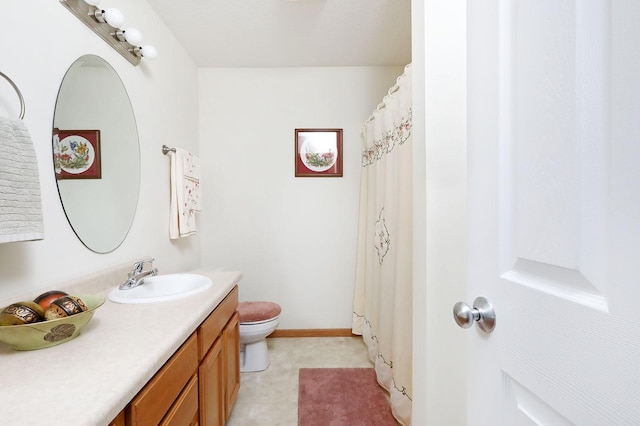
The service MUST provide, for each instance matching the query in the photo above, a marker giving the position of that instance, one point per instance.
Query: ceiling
(290, 33)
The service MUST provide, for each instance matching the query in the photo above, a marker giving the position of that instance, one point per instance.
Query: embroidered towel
(20, 202)
(185, 193)
(191, 165)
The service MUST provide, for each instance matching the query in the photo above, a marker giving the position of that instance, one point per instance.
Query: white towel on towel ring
(20, 201)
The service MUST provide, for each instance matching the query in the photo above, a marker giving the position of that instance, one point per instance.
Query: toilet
(257, 321)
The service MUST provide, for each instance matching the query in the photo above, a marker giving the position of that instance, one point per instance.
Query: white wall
(41, 39)
(294, 239)
(440, 221)
(420, 351)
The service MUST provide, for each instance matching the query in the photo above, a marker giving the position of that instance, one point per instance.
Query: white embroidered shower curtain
(382, 311)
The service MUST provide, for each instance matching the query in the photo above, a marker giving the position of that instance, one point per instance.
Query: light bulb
(113, 17)
(132, 36)
(92, 2)
(148, 51)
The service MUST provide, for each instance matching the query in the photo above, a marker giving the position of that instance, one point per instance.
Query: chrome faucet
(136, 276)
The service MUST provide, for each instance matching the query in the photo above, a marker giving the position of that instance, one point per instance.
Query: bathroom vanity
(173, 363)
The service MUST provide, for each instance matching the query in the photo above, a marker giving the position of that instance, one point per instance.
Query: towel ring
(17, 91)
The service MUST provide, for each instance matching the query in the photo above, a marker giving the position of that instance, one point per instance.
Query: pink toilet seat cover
(258, 311)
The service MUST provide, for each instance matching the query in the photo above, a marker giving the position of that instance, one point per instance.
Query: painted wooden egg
(21, 313)
(65, 306)
(45, 299)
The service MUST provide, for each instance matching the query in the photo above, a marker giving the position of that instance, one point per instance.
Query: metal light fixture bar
(85, 12)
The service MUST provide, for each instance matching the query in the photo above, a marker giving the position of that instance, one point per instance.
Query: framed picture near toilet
(318, 153)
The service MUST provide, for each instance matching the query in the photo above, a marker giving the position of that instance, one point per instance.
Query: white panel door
(554, 208)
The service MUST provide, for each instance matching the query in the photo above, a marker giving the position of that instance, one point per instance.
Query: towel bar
(17, 91)
(166, 149)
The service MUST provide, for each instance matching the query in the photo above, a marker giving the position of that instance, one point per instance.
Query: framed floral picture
(318, 153)
(76, 154)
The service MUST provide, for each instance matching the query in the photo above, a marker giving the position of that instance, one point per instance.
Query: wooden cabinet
(199, 383)
(119, 420)
(219, 372)
(211, 384)
(159, 396)
(185, 410)
(231, 353)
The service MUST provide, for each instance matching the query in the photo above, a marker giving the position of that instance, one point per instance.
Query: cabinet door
(154, 401)
(184, 411)
(119, 420)
(211, 328)
(211, 374)
(231, 354)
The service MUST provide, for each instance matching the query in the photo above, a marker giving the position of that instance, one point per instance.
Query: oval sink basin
(162, 288)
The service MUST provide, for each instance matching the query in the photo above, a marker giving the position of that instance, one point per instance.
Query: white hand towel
(20, 202)
(185, 193)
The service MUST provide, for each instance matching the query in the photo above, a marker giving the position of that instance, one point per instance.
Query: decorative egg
(65, 306)
(45, 299)
(21, 313)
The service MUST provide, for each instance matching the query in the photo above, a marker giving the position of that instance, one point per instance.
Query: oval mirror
(96, 154)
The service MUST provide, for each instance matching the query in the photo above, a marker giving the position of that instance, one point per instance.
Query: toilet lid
(258, 311)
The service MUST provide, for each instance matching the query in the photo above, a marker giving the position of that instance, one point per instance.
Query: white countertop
(90, 379)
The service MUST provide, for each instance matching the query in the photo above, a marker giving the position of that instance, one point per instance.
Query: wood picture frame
(76, 154)
(318, 153)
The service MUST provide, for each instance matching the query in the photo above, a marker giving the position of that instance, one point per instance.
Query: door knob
(482, 313)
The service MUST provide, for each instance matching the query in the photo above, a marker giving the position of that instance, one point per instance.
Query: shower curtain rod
(390, 92)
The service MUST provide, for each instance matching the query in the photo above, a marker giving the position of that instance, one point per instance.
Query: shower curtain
(382, 311)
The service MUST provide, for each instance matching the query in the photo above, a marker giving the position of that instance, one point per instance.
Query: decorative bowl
(44, 334)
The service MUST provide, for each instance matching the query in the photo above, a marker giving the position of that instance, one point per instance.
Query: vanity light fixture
(111, 16)
(130, 35)
(108, 23)
(146, 51)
